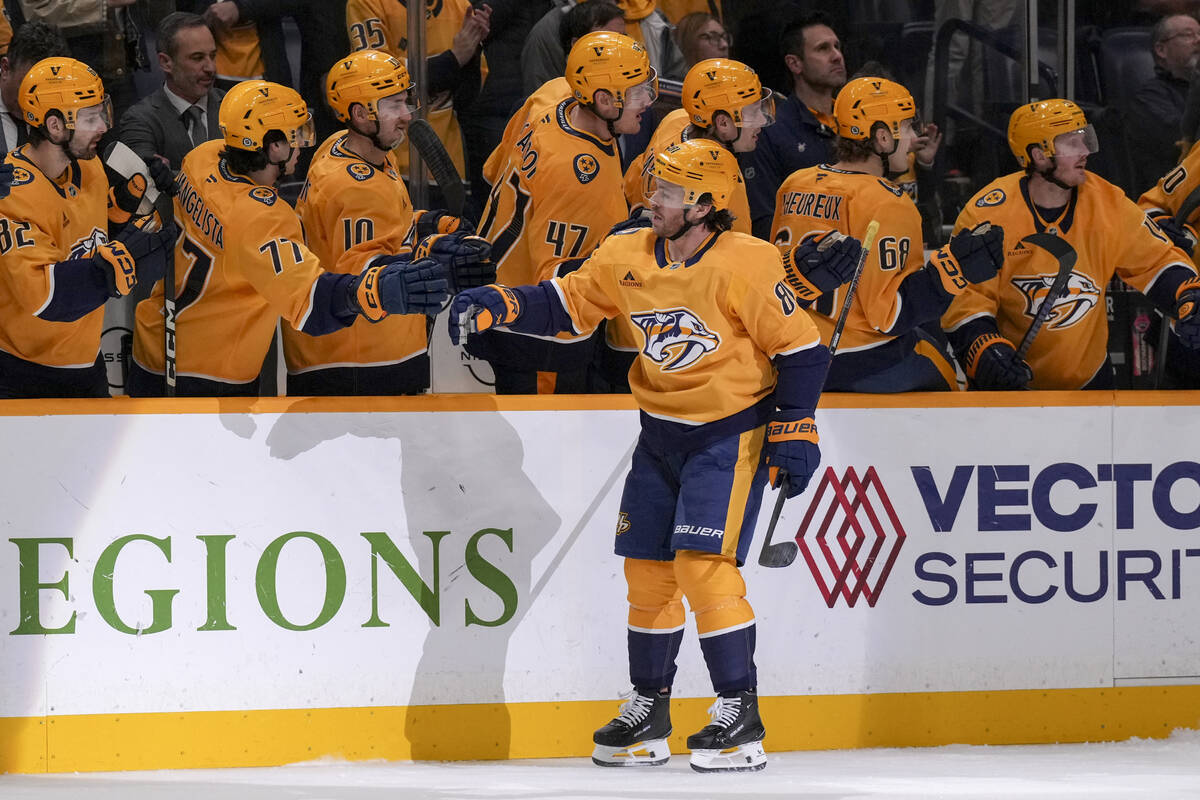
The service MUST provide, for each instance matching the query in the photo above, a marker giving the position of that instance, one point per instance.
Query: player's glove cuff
(124, 197)
(791, 449)
(428, 223)
(364, 294)
(976, 348)
(118, 267)
(945, 266)
(1186, 297)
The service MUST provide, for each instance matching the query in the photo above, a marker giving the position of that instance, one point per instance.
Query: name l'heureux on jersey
(205, 221)
(812, 204)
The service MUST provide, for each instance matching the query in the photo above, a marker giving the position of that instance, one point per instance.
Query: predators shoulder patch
(360, 171)
(264, 195)
(21, 176)
(586, 167)
(993, 198)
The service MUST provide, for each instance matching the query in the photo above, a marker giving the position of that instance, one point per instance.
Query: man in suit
(32, 42)
(183, 113)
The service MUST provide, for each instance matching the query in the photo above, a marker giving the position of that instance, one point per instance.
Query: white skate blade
(649, 753)
(744, 758)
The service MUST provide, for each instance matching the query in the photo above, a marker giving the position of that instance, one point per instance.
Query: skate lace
(635, 709)
(725, 711)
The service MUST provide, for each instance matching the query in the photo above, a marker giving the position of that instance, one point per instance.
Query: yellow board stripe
(101, 742)
(579, 402)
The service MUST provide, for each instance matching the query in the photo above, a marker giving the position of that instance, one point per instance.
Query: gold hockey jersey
(707, 327)
(43, 222)
(558, 195)
(383, 25)
(240, 265)
(352, 212)
(548, 95)
(825, 198)
(1109, 233)
(672, 130)
(1174, 188)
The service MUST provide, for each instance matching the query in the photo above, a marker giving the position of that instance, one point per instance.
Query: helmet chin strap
(1049, 176)
(684, 227)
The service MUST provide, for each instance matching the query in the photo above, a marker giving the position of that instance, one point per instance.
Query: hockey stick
(433, 152)
(1066, 257)
(782, 554)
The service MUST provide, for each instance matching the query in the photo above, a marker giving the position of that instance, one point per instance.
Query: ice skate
(637, 736)
(732, 742)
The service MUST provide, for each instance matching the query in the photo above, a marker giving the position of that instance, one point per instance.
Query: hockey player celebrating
(354, 208)
(556, 198)
(1055, 194)
(882, 349)
(242, 262)
(723, 100)
(729, 370)
(57, 264)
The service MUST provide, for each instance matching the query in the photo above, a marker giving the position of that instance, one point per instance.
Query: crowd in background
(167, 71)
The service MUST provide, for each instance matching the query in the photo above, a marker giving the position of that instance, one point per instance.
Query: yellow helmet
(700, 167)
(365, 77)
(863, 102)
(722, 84)
(612, 62)
(63, 85)
(1039, 124)
(252, 109)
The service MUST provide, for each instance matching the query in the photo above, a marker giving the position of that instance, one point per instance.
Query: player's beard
(74, 151)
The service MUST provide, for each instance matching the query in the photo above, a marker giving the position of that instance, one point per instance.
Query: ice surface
(1167, 769)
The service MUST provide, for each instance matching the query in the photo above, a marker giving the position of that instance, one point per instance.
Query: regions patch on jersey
(993, 198)
(360, 171)
(1081, 296)
(676, 338)
(21, 176)
(629, 280)
(264, 195)
(586, 167)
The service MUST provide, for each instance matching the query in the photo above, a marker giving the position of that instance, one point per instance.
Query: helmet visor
(664, 194)
(398, 104)
(304, 136)
(644, 93)
(760, 113)
(1082, 142)
(97, 117)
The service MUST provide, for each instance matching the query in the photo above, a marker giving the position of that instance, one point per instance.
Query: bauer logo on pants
(851, 538)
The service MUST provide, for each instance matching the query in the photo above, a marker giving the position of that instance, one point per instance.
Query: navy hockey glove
(146, 236)
(1182, 235)
(991, 363)
(476, 310)
(6, 179)
(162, 175)
(117, 266)
(973, 256)
(631, 224)
(791, 448)
(468, 259)
(820, 263)
(427, 223)
(398, 286)
(1187, 312)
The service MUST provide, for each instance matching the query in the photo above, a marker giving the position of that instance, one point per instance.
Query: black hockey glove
(144, 236)
(631, 224)
(162, 175)
(427, 223)
(1182, 235)
(476, 310)
(791, 448)
(467, 259)
(973, 256)
(991, 364)
(398, 286)
(6, 179)
(820, 263)
(1187, 313)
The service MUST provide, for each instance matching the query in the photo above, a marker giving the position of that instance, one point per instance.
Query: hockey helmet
(63, 85)
(864, 103)
(614, 63)
(252, 109)
(366, 77)
(1057, 126)
(685, 172)
(722, 84)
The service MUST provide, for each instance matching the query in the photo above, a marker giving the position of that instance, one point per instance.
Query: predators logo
(993, 198)
(85, 246)
(586, 167)
(21, 176)
(676, 338)
(360, 171)
(263, 195)
(1081, 296)
(622, 523)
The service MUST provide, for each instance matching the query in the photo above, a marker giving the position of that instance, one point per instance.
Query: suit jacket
(153, 126)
